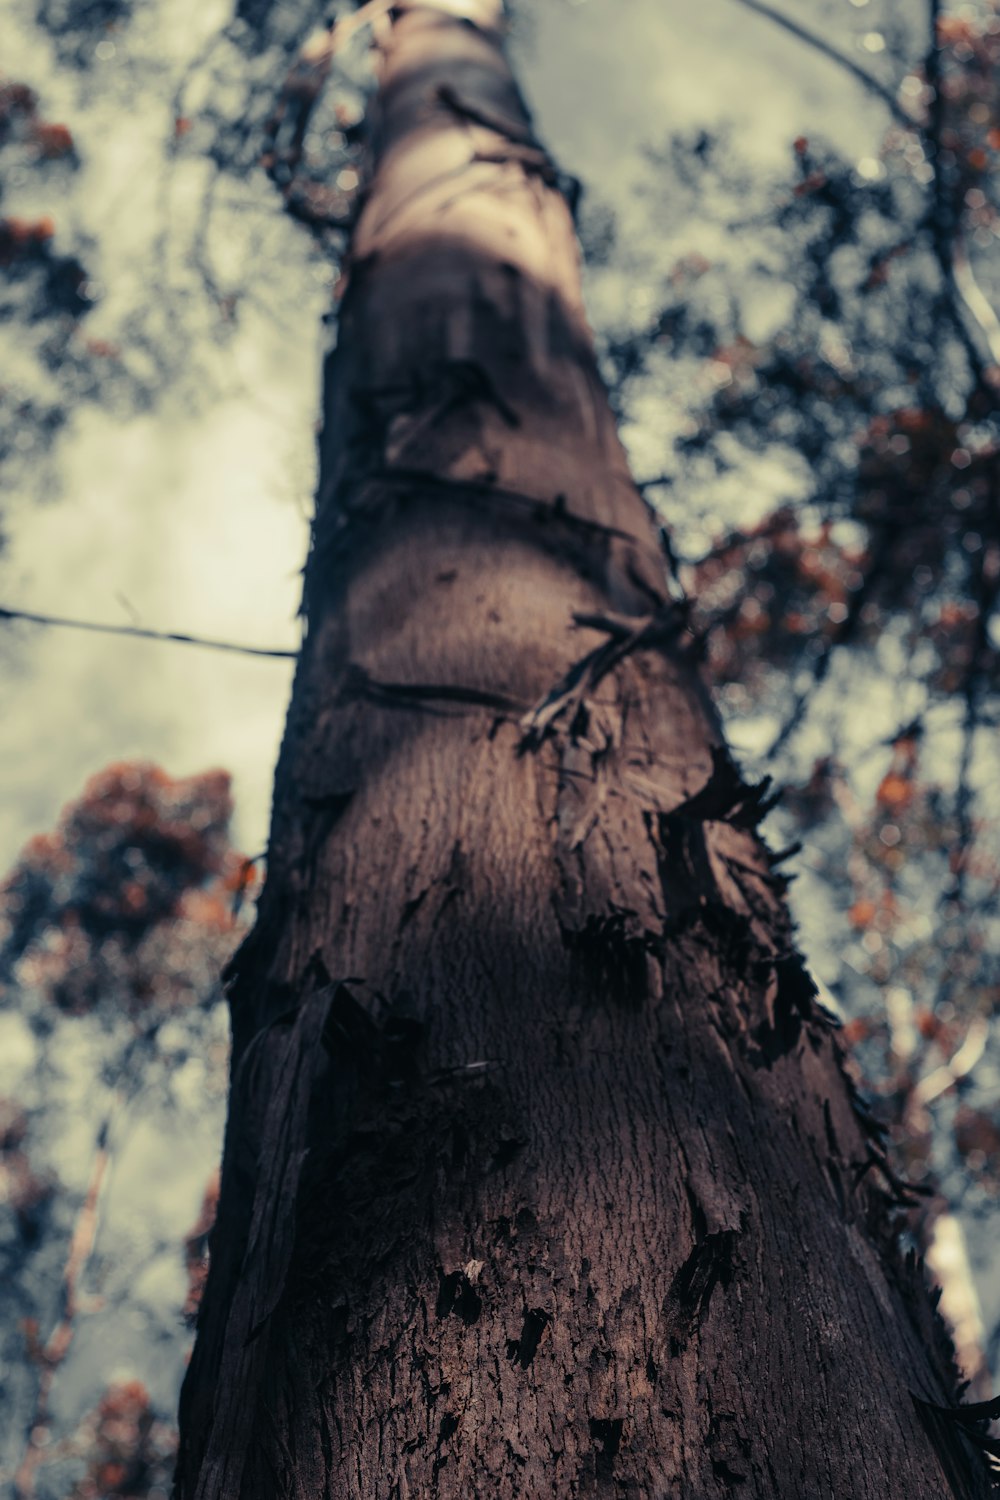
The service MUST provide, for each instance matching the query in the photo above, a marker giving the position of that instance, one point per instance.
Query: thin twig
(145, 635)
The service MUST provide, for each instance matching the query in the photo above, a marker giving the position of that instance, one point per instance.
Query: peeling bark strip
(558, 1188)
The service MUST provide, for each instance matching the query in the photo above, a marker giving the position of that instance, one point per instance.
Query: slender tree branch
(145, 635)
(866, 79)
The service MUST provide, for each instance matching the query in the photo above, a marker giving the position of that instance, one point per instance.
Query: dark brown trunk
(542, 1173)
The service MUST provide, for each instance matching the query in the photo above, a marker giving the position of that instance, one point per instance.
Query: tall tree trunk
(542, 1173)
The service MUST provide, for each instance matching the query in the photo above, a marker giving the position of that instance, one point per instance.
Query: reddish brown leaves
(770, 585)
(21, 124)
(108, 905)
(53, 141)
(22, 238)
(131, 1452)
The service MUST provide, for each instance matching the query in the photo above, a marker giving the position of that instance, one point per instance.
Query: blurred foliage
(113, 932)
(131, 1452)
(91, 914)
(43, 288)
(76, 26)
(203, 231)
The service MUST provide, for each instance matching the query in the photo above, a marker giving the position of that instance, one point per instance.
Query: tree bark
(543, 1176)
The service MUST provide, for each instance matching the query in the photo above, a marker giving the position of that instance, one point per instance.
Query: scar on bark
(509, 129)
(685, 867)
(711, 1263)
(457, 1295)
(540, 507)
(606, 1434)
(728, 1449)
(521, 1351)
(508, 1150)
(430, 394)
(613, 952)
(790, 995)
(421, 696)
(384, 1052)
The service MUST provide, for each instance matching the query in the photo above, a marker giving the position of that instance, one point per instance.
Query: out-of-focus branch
(959, 1065)
(867, 80)
(947, 1259)
(53, 1352)
(975, 301)
(303, 85)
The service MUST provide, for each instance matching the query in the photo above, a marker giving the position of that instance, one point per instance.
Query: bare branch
(867, 80)
(145, 635)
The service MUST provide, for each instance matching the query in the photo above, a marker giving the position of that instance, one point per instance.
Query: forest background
(790, 222)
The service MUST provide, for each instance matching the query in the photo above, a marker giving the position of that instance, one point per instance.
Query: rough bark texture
(542, 1173)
